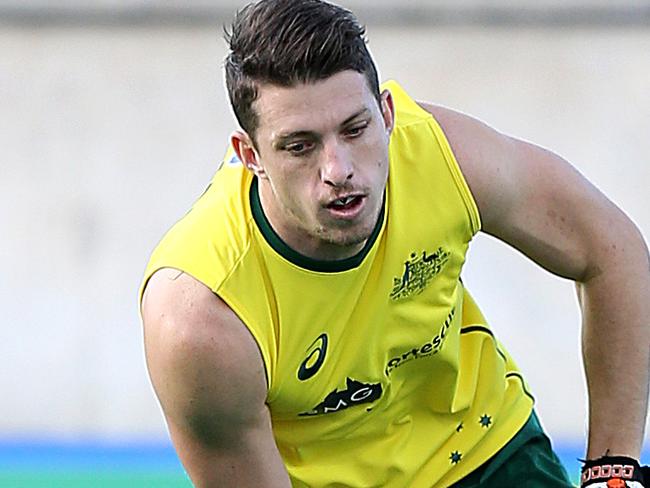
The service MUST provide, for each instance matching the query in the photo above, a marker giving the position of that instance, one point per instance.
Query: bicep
(536, 201)
(209, 377)
(542, 206)
(245, 457)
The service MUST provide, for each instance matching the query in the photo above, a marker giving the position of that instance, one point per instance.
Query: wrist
(612, 472)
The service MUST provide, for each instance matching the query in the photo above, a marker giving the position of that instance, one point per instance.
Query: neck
(287, 228)
(298, 257)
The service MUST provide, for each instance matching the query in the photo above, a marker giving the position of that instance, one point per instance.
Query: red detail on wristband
(616, 483)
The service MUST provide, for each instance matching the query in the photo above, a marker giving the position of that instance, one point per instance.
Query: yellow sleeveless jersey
(382, 371)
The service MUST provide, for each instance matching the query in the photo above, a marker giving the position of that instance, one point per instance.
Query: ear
(388, 111)
(246, 152)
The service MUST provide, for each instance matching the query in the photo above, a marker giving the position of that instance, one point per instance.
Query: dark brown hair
(286, 42)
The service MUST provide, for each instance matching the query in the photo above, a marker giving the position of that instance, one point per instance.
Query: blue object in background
(103, 464)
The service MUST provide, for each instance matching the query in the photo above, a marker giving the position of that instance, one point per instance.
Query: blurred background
(113, 117)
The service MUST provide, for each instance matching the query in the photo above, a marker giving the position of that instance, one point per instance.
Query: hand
(614, 472)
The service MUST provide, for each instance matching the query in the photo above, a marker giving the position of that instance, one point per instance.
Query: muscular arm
(536, 202)
(209, 377)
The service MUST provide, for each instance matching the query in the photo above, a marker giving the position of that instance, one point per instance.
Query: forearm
(616, 350)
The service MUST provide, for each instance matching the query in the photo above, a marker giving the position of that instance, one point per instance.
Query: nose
(336, 168)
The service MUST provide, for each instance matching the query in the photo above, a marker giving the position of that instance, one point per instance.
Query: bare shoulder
(209, 377)
(200, 355)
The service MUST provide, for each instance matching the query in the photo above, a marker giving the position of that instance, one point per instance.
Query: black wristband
(610, 467)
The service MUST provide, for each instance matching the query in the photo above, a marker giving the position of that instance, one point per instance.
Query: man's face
(322, 162)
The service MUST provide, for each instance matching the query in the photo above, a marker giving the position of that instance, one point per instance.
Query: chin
(347, 237)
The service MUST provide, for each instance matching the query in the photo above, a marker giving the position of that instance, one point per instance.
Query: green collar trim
(274, 240)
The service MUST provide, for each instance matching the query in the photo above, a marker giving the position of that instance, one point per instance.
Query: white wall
(108, 135)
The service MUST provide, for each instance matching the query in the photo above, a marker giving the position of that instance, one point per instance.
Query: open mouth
(347, 207)
(346, 203)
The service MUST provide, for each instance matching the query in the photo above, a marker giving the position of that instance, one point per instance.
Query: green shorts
(527, 460)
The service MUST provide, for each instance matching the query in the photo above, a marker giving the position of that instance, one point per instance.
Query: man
(305, 323)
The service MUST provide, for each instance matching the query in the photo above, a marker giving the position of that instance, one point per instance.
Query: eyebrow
(283, 139)
(354, 116)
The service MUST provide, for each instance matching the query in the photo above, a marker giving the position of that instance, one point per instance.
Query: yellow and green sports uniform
(382, 371)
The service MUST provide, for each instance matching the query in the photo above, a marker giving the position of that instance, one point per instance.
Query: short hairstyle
(286, 42)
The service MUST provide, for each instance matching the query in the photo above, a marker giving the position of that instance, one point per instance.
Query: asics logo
(315, 358)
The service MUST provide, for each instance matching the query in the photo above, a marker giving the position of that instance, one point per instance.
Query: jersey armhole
(457, 175)
(412, 112)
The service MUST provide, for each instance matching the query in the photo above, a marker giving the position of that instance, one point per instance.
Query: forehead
(316, 106)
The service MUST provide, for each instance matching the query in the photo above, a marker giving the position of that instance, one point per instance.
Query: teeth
(342, 202)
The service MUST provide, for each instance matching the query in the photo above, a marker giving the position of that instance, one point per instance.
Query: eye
(299, 148)
(356, 130)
